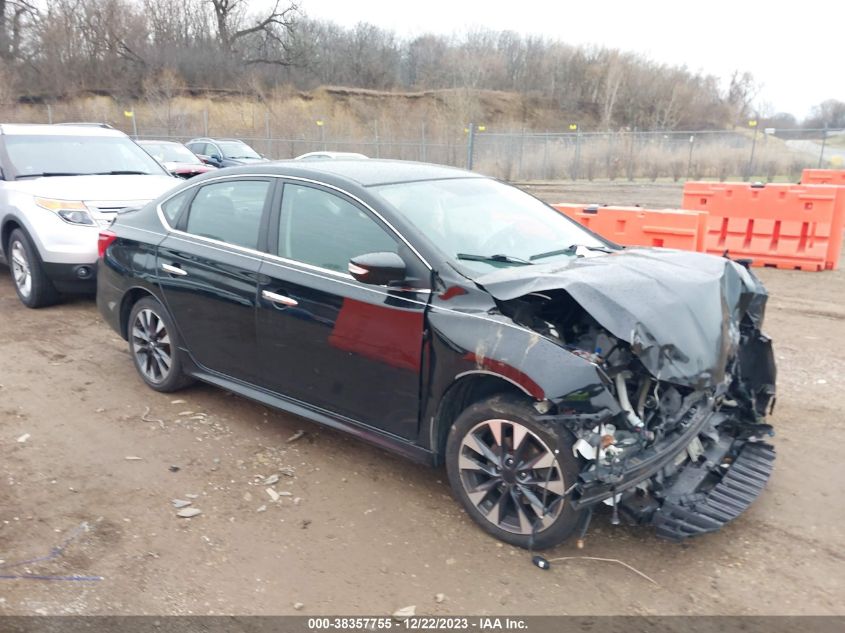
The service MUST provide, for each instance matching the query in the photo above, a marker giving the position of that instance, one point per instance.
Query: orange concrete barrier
(783, 226)
(635, 226)
(823, 177)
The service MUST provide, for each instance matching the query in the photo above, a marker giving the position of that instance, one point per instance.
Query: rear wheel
(154, 347)
(34, 288)
(511, 473)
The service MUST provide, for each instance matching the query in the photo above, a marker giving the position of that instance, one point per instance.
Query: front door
(326, 339)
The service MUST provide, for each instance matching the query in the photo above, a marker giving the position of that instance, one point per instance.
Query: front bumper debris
(687, 513)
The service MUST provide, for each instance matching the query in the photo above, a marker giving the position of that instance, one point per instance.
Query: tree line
(58, 49)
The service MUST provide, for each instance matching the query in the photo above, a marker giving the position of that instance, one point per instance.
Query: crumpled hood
(88, 188)
(680, 311)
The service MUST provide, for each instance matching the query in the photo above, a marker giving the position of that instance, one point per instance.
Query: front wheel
(153, 344)
(34, 288)
(511, 473)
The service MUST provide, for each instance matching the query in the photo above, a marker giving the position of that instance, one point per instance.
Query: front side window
(325, 230)
(229, 212)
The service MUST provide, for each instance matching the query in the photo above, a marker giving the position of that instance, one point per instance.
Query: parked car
(456, 319)
(61, 184)
(224, 152)
(176, 158)
(330, 156)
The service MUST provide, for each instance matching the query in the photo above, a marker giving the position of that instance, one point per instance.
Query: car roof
(365, 173)
(331, 155)
(150, 141)
(45, 129)
(214, 140)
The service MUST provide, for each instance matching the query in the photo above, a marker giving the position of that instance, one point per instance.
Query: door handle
(277, 298)
(173, 270)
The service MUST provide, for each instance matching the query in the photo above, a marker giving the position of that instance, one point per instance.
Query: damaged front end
(673, 432)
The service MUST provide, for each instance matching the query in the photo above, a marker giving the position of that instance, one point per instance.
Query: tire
(154, 346)
(34, 288)
(515, 495)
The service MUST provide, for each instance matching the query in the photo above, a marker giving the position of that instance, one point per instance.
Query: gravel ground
(362, 531)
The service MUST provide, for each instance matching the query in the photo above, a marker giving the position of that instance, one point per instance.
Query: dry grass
(428, 126)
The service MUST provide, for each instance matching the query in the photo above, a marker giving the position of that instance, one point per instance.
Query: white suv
(59, 185)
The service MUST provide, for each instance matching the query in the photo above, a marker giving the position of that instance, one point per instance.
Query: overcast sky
(795, 50)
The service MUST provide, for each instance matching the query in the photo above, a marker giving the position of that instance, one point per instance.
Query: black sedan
(458, 320)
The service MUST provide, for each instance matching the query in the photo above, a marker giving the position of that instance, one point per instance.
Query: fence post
(546, 157)
(267, 131)
(824, 141)
(205, 122)
(378, 150)
(49, 114)
(470, 144)
(631, 156)
(689, 160)
(750, 169)
(577, 154)
(422, 145)
(521, 152)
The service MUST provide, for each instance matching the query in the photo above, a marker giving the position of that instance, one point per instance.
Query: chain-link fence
(516, 155)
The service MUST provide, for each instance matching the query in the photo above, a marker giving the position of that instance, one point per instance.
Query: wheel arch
(130, 298)
(467, 389)
(10, 223)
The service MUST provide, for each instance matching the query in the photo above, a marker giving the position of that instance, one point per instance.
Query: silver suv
(59, 185)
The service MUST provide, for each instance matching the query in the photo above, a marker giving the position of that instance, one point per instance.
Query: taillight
(104, 241)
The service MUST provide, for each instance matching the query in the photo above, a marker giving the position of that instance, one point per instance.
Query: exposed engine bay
(673, 434)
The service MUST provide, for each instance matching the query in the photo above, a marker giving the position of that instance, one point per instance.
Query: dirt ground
(364, 532)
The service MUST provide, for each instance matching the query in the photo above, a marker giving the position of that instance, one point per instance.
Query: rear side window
(229, 212)
(197, 148)
(325, 230)
(173, 208)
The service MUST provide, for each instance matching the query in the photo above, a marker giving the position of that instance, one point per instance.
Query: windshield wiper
(569, 250)
(47, 174)
(507, 259)
(119, 172)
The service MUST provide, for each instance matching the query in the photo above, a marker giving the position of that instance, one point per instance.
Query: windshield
(171, 153)
(36, 155)
(487, 224)
(237, 149)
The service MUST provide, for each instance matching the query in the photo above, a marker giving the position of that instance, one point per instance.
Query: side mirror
(378, 269)
(215, 158)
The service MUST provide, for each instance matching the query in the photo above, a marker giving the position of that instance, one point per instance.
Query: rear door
(326, 339)
(208, 271)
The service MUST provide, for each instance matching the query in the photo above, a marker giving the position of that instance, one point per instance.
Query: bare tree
(263, 38)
